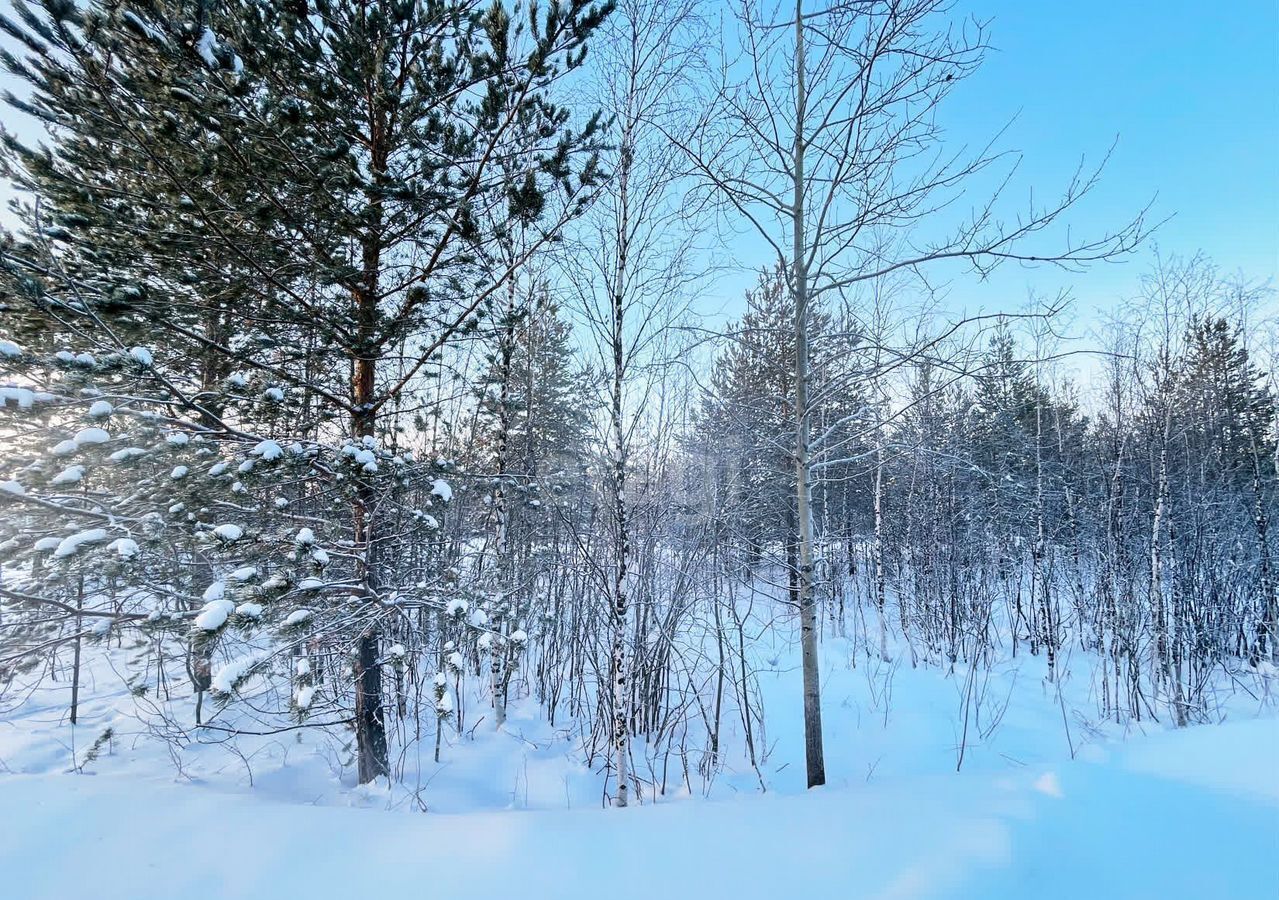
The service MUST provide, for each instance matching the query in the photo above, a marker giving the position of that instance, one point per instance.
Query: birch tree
(630, 272)
(822, 136)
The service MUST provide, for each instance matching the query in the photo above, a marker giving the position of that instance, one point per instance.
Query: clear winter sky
(1190, 90)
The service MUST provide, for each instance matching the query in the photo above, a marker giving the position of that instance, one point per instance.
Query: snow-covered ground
(1049, 802)
(1193, 814)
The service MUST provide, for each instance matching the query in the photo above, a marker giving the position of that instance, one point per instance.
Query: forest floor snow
(1050, 802)
(1191, 814)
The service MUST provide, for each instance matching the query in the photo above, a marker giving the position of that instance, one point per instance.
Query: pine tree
(333, 165)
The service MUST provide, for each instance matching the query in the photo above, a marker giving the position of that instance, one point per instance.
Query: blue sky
(1191, 92)
(1187, 92)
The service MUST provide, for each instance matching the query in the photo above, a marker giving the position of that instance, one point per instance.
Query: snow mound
(128, 453)
(214, 614)
(69, 546)
(91, 436)
(267, 450)
(23, 398)
(228, 675)
(228, 533)
(442, 489)
(69, 475)
(125, 548)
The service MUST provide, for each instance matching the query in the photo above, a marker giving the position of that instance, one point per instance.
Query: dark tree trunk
(370, 723)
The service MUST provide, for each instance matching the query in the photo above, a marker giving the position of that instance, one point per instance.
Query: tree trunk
(803, 465)
(1039, 575)
(1267, 634)
(370, 724)
(499, 660)
(621, 686)
(879, 546)
(75, 662)
(1158, 608)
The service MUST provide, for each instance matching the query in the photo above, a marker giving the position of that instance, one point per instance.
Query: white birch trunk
(803, 464)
